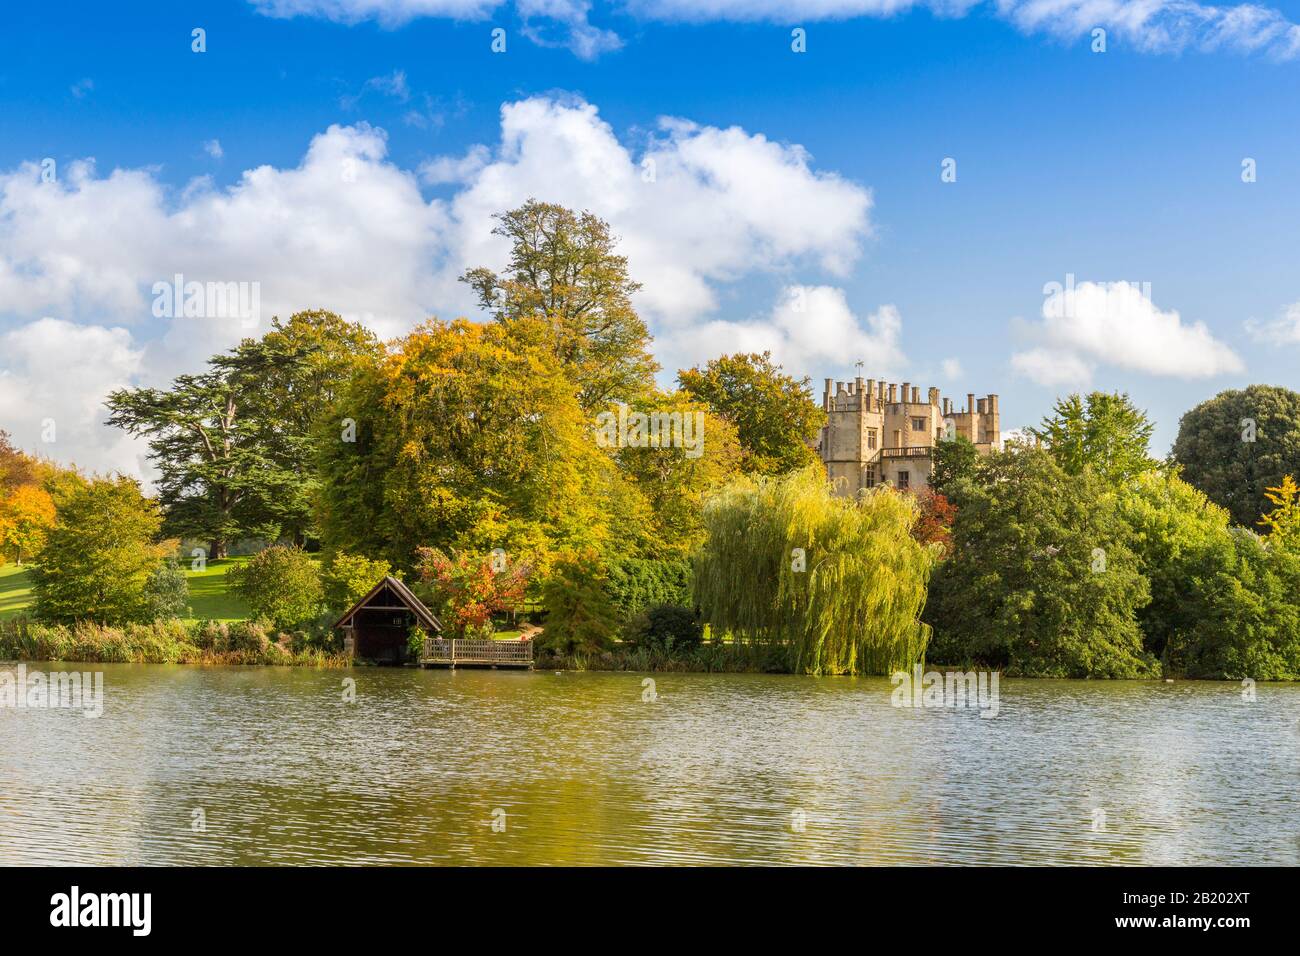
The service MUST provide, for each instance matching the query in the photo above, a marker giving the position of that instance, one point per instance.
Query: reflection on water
(718, 769)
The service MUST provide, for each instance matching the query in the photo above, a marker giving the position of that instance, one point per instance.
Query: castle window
(871, 438)
(871, 476)
(902, 479)
(918, 424)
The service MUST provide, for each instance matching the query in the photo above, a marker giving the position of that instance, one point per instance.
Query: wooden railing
(477, 651)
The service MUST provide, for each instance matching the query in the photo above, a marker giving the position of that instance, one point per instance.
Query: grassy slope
(208, 597)
(15, 590)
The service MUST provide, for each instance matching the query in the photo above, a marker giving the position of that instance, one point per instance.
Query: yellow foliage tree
(26, 514)
(1283, 521)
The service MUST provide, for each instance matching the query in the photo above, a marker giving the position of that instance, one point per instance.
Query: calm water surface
(719, 769)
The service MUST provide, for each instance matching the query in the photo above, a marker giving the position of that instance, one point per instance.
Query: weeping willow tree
(840, 582)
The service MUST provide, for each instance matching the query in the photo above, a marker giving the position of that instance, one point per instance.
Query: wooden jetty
(454, 652)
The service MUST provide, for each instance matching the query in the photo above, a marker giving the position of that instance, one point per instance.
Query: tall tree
(563, 269)
(212, 475)
(1104, 432)
(1238, 444)
(775, 416)
(289, 380)
(233, 443)
(26, 516)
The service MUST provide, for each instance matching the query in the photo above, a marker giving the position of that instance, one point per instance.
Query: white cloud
(346, 229)
(54, 377)
(1116, 324)
(1284, 330)
(81, 88)
(951, 369)
(701, 206)
(809, 329)
(213, 148)
(1152, 26)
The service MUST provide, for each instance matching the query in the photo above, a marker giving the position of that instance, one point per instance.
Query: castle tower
(878, 432)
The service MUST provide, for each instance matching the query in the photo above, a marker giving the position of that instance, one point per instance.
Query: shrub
(167, 592)
(281, 585)
(667, 628)
(465, 591)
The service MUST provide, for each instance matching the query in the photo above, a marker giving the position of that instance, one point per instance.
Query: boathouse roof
(381, 597)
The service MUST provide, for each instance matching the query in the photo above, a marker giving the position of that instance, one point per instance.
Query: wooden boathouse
(378, 628)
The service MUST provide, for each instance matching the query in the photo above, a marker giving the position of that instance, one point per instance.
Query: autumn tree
(1283, 519)
(563, 270)
(774, 414)
(468, 436)
(26, 516)
(466, 589)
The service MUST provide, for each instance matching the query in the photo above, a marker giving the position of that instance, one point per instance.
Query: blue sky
(815, 171)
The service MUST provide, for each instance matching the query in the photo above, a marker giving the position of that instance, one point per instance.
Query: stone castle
(876, 433)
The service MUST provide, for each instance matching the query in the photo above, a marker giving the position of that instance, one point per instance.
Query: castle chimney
(983, 407)
(970, 402)
(916, 394)
(871, 392)
(934, 396)
(947, 407)
(826, 396)
(907, 388)
(893, 393)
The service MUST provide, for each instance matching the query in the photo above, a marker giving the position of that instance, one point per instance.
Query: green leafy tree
(580, 618)
(280, 584)
(347, 578)
(1249, 620)
(776, 419)
(289, 381)
(1238, 444)
(100, 555)
(953, 458)
(1040, 578)
(1104, 432)
(839, 582)
(232, 444)
(563, 270)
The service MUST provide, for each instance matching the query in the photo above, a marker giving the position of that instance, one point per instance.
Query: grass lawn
(15, 590)
(208, 597)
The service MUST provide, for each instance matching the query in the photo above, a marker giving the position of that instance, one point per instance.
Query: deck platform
(474, 653)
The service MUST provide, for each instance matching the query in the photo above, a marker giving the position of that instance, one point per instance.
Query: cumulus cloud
(951, 369)
(1116, 324)
(1152, 26)
(52, 383)
(213, 148)
(809, 328)
(697, 209)
(1284, 330)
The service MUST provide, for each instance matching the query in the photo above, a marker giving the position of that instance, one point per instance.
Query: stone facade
(879, 433)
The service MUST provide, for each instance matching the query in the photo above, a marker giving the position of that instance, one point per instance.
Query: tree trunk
(216, 549)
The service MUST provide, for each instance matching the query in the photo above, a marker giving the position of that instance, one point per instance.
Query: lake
(264, 765)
